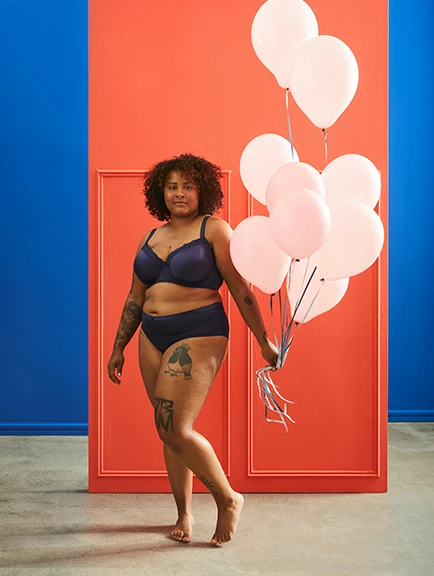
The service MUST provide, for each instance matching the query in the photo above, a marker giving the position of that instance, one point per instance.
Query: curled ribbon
(267, 389)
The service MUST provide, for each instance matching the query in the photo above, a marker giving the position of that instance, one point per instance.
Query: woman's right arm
(129, 322)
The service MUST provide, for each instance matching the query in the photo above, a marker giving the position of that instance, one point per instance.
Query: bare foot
(183, 529)
(227, 520)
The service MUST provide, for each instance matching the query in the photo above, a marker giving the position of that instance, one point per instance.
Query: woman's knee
(170, 431)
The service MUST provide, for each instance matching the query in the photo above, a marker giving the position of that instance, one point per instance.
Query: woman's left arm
(219, 234)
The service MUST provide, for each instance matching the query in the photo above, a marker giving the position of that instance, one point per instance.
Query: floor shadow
(94, 529)
(39, 555)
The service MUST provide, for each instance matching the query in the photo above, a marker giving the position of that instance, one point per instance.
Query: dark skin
(176, 406)
(182, 198)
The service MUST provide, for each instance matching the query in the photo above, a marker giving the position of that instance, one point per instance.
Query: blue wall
(43, 143)
(411, 210)
(43, 93)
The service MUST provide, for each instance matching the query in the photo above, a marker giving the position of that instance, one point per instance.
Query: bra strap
(150, 235)
(202, 228)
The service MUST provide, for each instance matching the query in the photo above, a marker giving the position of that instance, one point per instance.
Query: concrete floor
(50, 525)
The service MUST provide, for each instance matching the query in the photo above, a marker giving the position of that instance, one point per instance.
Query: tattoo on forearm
(163, 413)
(131, 318)
(247, 300)
(208, 484)
(265, 337)
(180, 362)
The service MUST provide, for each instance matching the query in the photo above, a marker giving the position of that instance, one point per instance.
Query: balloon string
(287, 312)
(325, 145)
(296, 307)
(289, 125)
(299, 324)
(276, 340)
(304, 277)
(267, 389)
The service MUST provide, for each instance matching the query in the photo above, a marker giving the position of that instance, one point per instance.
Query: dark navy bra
(192, 264)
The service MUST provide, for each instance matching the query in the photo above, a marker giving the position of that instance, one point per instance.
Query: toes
(219, 539)
(180, 536)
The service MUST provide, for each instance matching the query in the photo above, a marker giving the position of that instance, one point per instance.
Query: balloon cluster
(322, 228)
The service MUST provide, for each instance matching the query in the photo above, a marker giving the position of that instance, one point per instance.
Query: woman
(178, 270)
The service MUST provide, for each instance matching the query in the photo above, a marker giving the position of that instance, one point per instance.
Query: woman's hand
(270, 353)
(115, 365)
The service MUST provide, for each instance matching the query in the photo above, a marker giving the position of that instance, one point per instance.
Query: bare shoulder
(143, 240)
(217, 229)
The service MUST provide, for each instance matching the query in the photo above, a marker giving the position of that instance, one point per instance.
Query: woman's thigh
(150, 363)
(187, 371)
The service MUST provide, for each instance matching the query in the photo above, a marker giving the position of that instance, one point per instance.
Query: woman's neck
(181, 223)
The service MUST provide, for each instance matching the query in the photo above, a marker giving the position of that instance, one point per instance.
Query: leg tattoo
(180, 362)
(209, 485)
(163, 413)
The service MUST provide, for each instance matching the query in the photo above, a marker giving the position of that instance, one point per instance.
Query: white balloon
(300, 222)
(279, 28)
(291, 176)
(354, 243)
(324, 79)
(352, 179)
(256, 255)
(261, 158)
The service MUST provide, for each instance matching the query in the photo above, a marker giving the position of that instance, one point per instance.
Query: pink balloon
(352, 179)
(355, 242)
(260, 159)
(300, 222)
(290, 176)
(279, 28)
(324, 79)
(328, 294)
(256, 255)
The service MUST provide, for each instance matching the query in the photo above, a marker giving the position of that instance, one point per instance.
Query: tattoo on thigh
(208, 484)
(180, 362)
(247, 300)
(163, 413)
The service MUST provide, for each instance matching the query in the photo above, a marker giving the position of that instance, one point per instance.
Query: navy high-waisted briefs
(163, 331)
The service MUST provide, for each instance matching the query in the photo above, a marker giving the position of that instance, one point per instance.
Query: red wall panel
(167, 77)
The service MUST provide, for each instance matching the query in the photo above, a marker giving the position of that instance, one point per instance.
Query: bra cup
(147, 269)
(192, 265)
(193, 270)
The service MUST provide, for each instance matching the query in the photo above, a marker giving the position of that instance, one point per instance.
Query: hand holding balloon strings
(266, 387)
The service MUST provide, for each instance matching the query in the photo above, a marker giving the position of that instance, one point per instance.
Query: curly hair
(204, 174)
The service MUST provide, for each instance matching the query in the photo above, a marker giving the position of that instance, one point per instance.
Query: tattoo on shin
(248, 300)
(163, 413)
(209, 485)
(180, 362)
